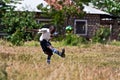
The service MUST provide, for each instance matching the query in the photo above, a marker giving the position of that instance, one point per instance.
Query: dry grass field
(93, 62)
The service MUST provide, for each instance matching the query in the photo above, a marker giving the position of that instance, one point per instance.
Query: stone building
(85, 26)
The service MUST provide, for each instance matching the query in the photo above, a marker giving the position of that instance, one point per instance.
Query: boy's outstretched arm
(36, 30)
(32, 30)
(42, 30)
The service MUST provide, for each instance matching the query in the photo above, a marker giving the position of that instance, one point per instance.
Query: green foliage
(4, 7)
(62, 17)
(116, 43)
(17, 38)
(74, 40)
(58, 19)
(111, 6)
(102, 35)
(16, 24)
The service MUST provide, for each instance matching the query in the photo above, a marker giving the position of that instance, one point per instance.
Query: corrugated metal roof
(91, 10)
(31, 5)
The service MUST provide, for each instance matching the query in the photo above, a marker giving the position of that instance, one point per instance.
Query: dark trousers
(44, 45)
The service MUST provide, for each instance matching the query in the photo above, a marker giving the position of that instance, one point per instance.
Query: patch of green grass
(5, 42)
(116, 43)
(32, 43)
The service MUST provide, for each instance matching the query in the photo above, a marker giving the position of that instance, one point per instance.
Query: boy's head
(52, 29)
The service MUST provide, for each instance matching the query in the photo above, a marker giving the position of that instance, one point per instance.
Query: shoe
(63, 53)
(48, 61)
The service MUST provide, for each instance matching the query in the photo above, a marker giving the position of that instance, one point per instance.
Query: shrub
(74, 40)
(16, 25)
(17, 38)
(102, 35)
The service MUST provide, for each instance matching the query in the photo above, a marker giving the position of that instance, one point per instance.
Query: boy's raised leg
(63, 53)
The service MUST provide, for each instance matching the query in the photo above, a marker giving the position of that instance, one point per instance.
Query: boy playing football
(48, 49)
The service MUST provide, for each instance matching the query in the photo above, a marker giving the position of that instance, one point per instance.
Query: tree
(3, 8)
(16, 23)
(62, 11)
(110, 6)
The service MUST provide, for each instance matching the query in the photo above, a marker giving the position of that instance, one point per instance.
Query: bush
(17, 38)
(16, 25)
(102, 35)
(74, 40)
